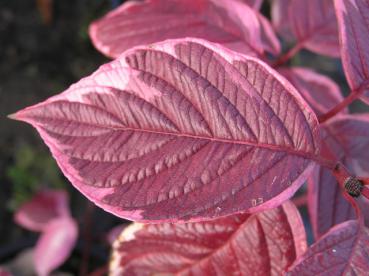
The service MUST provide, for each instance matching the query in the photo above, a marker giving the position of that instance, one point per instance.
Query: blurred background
(44, 48)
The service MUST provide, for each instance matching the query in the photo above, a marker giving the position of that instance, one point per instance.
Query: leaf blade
(353, 26)
(218, 247)
(160, 99)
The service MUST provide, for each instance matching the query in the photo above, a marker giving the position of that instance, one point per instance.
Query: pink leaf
(180, 130)
(4, 272)
(268, 37)
(266, 243)
(279, 19)
(344, 250)
(347, 137)
(41, 209)
(55, 245)
(319, 91)
(230, 23)
(314, 24)
(353, 22)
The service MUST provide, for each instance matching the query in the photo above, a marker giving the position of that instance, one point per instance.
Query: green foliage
(32, 170)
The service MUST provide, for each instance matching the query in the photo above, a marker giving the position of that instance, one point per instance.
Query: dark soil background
(42, 51)
(41, 56)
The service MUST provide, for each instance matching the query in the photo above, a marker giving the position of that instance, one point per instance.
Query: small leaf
(344, 250)
(353, 22)
(230, 23)
(181, 130)
(242, 244)
(319, 91)
(347, 138)
(55, 244)
(314, 25)
(45, 206)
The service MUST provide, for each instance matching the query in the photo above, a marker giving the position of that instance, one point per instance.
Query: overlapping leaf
(265, 243)
(319, 91)
(353, 21)
(280, 20)
(347, 138)
(181, 130)
(314, 25)
(230, 23)
(344, 250)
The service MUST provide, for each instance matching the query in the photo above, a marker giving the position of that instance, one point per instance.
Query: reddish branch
(355, 94)
(287, 56)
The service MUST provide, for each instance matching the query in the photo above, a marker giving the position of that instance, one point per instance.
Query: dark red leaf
(314, 25)
(353, 22)
(264, 244)
(347, 138)
(344, 250)
(230, 23)
(319, 91)
(181, 130)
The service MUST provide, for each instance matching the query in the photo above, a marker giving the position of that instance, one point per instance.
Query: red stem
(87, 238)
(300, 200)
(100, 271)
(355, 94)
(287, 56)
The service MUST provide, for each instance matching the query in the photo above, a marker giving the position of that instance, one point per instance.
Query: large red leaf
(319, 91)
(353, 22)
(45, 206)
(265, 244)
(183, 129)
(344, 250)
(347, 137)
(314, 24)
(230, 23)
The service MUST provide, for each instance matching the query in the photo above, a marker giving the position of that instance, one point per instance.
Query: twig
(87, 238)
(287, 56)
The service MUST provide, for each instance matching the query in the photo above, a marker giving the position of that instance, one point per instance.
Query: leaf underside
(181, 130)
(241, 244)
(353, 22)
(314, 25)
(344, 250)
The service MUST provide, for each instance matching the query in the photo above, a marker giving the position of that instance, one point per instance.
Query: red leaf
(266, 243)
(35, 214)
(230, 23)
(353, 22)
(344, 250)
(314, 24)
(347, 137)
(319, 91)
(55, 244)
(183, 129)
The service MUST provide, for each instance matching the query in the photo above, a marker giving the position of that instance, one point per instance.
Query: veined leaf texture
(181, 130)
